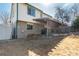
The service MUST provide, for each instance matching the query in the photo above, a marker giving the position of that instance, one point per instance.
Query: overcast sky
(4, 7)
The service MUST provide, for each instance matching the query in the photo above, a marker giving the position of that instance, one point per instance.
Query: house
(5, 31)
(28, 19)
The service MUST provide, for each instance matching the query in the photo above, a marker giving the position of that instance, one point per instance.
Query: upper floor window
(31, 10)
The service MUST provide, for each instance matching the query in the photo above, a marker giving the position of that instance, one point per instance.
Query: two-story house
(28, 19)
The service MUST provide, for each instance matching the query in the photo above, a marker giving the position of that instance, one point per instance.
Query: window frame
(29, 27)
(31, 11)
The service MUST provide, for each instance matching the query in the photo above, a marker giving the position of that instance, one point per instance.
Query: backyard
(42, 46)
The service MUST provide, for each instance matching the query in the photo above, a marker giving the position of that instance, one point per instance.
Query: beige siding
(22, 10)
(23, 32)
(38, 14)
(22, 13)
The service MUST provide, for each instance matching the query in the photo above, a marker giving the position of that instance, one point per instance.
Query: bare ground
(42, 46)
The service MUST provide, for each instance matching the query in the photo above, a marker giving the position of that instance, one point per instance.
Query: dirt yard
(56, 45)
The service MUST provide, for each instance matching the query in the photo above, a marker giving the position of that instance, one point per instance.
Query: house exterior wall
(23, 13)
(22, 26)
(23, 32)
(23, 16)
(5, 31)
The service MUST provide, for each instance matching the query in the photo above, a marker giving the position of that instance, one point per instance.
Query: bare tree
(4, 16)
(66, 16)
(75, 9)
(61, 14)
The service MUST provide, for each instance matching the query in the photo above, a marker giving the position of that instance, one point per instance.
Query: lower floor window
(29, 27)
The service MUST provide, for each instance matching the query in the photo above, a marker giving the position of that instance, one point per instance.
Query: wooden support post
(47, 29)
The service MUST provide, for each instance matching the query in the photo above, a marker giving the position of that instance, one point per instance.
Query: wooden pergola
(45, 20)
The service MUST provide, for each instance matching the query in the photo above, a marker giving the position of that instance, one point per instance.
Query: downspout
(16, 20)
(10, 20)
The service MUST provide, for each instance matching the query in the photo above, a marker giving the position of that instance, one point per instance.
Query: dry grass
(69, 46)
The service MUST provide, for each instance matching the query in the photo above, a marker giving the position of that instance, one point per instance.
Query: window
(29, 27)
(31, 11)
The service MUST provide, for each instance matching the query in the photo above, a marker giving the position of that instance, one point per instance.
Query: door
(44, 31)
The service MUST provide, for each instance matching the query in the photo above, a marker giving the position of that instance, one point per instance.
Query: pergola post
(47, 29)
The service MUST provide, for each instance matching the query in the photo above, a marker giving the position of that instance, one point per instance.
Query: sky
(5, 7)
(49, 8)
